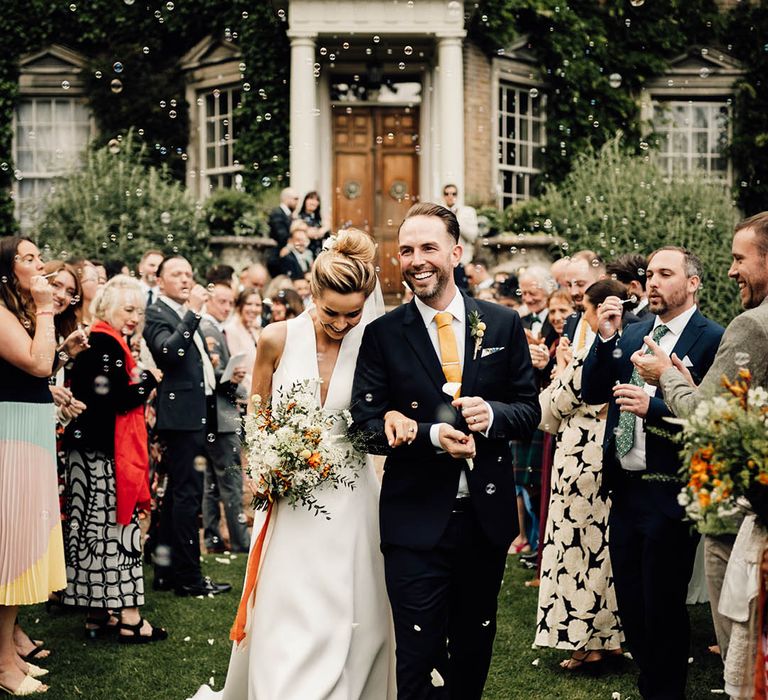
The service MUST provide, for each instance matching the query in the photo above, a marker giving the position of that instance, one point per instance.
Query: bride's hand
(399, 429)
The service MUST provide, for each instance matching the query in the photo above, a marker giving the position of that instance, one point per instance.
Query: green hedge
(612, 202)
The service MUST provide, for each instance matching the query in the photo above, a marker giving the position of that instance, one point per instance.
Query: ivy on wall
(139, 43)
(596, 56)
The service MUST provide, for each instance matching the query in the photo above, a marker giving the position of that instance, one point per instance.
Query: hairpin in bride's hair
(331, 242)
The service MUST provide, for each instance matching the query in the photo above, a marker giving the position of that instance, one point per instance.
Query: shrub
(116, 207)
(233, 213)
(615, 203)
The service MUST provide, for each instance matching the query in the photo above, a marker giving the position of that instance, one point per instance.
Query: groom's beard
(438, 283)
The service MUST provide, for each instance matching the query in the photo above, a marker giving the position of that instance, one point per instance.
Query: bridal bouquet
(726, 456)
(294, 446)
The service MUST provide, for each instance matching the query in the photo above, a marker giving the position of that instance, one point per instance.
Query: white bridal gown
(320, 627)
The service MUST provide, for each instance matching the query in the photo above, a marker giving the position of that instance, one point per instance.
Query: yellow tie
(582, 335)
(449, 352)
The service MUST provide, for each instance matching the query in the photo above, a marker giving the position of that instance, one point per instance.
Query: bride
(319, 625)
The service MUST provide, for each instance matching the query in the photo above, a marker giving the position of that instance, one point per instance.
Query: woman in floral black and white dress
(577, 604)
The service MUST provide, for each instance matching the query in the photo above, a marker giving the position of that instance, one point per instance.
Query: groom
(447, 510)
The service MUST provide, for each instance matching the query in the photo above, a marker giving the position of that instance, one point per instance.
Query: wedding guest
(577, 604)
(478, 276)
(67, 296)
(107, 467)
(221, 273)
(255, 276)
(745, 341)
(535, 285)
(147, 270)
(584, 269)
(468, 231)
(302, 288)
(116, 267)
(279, 221)
(559, 308)
(652, 548)
(558, 270)
(244, 325)
(31, 545)
(296, 258)
(186, 414)
(629, 269)
(286, 304)
(90, 282)
(223, 482)
(310, 214)
(275, 285)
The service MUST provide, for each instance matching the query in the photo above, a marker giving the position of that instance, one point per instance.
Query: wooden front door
(376, 178)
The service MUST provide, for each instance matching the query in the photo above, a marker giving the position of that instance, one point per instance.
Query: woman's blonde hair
(114, 293)
(346, 265)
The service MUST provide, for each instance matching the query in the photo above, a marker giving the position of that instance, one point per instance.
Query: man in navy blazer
(652, 548)
(447, 509)
(186, 422)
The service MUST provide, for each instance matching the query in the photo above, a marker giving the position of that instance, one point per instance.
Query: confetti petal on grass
(437, 679)
(717, 691)
(210, 641)
(187, 639)
(222, 560)
(535, 662)
(615, 695)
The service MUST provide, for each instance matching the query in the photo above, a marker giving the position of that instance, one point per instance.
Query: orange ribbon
(237, 633)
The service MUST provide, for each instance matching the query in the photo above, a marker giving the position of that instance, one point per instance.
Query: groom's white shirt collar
(455, 307)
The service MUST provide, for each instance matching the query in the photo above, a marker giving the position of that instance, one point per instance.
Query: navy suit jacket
(603, 368)
(398, 369)
(181, 402)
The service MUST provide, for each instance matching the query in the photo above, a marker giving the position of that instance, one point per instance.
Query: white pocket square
(687, 362)
(490, 351)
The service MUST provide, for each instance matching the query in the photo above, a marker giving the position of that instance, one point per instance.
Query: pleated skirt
(31, 543)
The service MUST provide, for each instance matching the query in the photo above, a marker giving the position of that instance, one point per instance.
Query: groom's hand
(475, 412)
(399, 429)
(457, 444)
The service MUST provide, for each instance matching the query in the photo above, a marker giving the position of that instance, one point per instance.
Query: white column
(450, 100)
(304, 146)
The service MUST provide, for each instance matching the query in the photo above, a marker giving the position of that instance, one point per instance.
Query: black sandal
(578, 662)
(38, 648)
(158, 633)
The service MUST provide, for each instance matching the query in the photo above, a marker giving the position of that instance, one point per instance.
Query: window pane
(700, 117)
(43, 111)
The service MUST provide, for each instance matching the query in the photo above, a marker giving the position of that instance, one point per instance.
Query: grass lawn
(198, 650)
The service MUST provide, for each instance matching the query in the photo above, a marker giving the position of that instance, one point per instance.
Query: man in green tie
(652, 549)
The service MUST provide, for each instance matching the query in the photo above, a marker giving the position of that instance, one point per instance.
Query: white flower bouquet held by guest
(294, 446)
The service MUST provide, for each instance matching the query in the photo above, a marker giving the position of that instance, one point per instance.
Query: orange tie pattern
(449, 351)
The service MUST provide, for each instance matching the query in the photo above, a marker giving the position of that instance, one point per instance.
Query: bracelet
(44, 313)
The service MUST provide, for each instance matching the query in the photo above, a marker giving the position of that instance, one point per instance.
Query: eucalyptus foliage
(613, 202)
(117, 207)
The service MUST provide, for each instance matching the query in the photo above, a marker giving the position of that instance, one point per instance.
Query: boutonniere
(477, 331)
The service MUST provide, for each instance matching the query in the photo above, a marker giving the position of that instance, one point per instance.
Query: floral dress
(577, 603)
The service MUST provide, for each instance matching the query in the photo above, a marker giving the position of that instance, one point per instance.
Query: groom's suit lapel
(418, 338)
(471, 363)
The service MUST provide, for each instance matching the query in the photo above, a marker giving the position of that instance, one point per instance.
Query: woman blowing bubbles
(31, 548)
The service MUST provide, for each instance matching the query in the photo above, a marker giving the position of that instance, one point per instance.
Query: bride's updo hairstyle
(345, 265)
